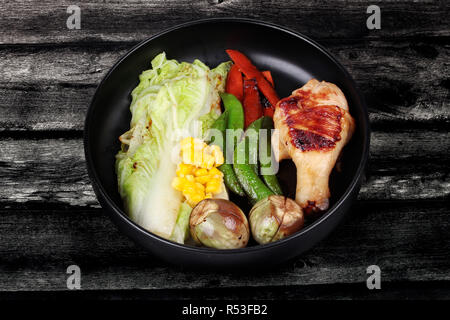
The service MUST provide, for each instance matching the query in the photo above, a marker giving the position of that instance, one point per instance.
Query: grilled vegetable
(220, 125)
(197, 176)
(268, 75)
(181, 230)
(252, 103)
(235, 83)
(169, 98)
(235, 111)
(235, 125)
(220, 224)
(274, 218)
(245, 159)
(229, 176)
(251, 72)
(268, 109)
(252, 149)
(265, 158)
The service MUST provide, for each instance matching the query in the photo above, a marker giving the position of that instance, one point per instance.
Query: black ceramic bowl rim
(101, 193)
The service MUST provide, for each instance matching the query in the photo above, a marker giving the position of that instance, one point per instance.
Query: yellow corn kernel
(187, 157)
(197, 175)
(189, 188)
(186, 142)
(200, 187)
(189, 149)
(203, 179)
(194, 199)
(198, 197)
(213, 186)
(201, 172)
(219, 189)
(219, 159)
(198, 147)
(178, 183)
(208, 161)
(184, 169)
(215, 173)
(217, 154)
(197, 159)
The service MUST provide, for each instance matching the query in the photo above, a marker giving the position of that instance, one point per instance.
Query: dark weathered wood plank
(408, 241)
(45, 21)
(45, 91)
(401, 82)
(46, 171)
(404, 290)
(36, 107)
(406, 165)
(46, 88)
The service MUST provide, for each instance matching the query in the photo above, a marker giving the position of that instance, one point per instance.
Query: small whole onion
(274, 218)
(220, 224)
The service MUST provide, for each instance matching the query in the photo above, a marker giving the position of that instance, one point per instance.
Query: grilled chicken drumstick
(313, 126)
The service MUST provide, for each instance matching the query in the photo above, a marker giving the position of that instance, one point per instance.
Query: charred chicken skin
(313, 125)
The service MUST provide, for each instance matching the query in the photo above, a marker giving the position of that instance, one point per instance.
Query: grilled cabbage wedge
(173, 100)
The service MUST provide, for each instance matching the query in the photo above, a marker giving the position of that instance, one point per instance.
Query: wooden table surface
(50, 217)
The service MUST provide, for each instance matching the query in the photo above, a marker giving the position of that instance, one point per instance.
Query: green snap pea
(235, 125)
(254, 187)
(253, 150)
(229, 177)
(270, 179)
(235, 111)
(220, 125)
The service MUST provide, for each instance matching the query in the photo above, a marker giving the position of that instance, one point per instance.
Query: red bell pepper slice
(268, 75)
(235, 84)
(268, 109)
(252, 103)
(246, 67)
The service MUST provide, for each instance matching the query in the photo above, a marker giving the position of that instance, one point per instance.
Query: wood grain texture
(408, 241)
(392, 290)
(45, 21)
(51, 219)
(50, 88)
(59, 176)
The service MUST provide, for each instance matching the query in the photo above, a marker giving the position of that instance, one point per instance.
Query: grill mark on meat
(309, 141)
(289, 103)
(311, 127)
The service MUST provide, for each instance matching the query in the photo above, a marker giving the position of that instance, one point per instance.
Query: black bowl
(293, 60)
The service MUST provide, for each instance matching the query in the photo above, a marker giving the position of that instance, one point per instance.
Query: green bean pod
(270, 179)
(256, 126)
(254, 187)
(229, 177)
(235, 124)
(220, 124)
(235, 111)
